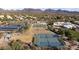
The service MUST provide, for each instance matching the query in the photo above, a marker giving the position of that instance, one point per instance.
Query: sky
(69, 9)
(71, 5)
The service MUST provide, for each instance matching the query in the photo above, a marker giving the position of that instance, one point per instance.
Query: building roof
(47, 40)
(58, 23)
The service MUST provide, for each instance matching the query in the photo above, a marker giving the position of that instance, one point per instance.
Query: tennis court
(47, 40)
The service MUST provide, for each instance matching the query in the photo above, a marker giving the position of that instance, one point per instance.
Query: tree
(60, 31)
(67, 33)
(17, 45)
(71, 34)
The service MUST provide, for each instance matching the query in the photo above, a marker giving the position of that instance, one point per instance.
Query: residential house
(57, 24)
(69, 25)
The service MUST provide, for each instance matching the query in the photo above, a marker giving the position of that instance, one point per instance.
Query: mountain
(31, 10)
(59, 11)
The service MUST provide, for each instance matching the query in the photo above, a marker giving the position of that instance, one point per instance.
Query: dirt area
(28, 34)
(3, 43)
(72, 45)
(25, 37)
(36, 31)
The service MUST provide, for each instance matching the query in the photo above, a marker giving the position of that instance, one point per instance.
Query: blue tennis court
(9, 27)
(44, 40)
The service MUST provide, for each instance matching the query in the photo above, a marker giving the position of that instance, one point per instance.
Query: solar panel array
(51, 40)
